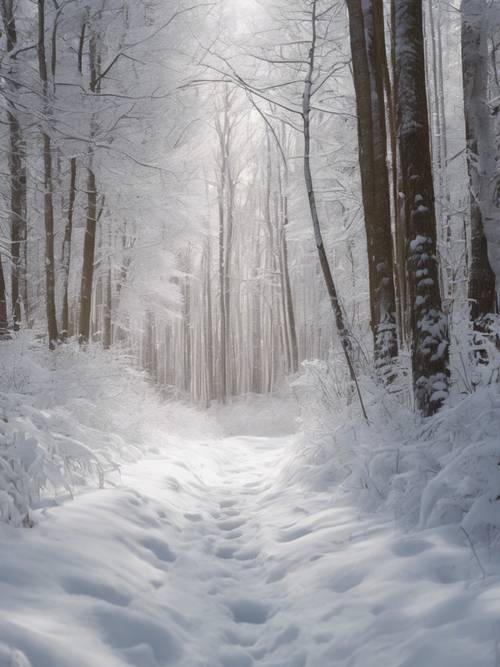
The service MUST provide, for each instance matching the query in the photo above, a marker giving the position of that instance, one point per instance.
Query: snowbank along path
(209, 556)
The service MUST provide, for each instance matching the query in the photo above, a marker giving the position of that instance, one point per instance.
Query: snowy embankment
(69, 419)
(444, 470)
(211, 553)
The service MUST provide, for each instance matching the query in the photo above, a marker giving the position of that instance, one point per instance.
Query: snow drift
(437, 471)
(69, 418)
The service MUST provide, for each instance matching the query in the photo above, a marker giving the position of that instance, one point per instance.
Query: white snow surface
(207, 554)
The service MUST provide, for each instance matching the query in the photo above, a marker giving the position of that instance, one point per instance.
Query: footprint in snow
(225, 552)
(160, 549)
(244, 555)
(245, 610)
(231, 524)
(96, 589)
(224, 504)
(233, 535)
(410, 547)
(277, 574)
(172, 484)
(131, 633)
(294, 534)
(345, 580)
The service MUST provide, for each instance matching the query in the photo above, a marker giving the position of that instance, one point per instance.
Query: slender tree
(87, 281)
(342, 329)
(4, 323)
(50, 273)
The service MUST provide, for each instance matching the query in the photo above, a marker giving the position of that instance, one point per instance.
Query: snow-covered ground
(208, 555)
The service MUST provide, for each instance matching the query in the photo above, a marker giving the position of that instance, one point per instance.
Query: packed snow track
(210, 555)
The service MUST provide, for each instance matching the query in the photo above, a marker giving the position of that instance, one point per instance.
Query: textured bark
(367, 44)
(4, 325)
(66, 248)
(50, 273)
(91, 221)
(88, 259)
(17, 175)
(430, 345)
(482, 292)
(107, 334)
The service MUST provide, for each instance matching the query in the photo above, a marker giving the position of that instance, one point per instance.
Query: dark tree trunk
(107, 335)
(17, 167)
(4, 325)
(88, 259)
(430, 345)
(50, 273)
(92, 217)
(482, 292)
(66, 249)
(367, 45)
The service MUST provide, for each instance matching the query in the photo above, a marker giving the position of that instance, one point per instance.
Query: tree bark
(17, 168)
(430, 345)
(66, 248)
(91, 221)
(342, 329)
(4, 324)
(481, 289)
(50, 274)
(367, 43)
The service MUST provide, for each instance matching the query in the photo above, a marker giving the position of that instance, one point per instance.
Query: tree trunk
(88, 259)
(367, 42)
(91, 222)
(17, 167)
(482, 292)
(430, 345)
(4, 324)
(50, 274)
(66, 248)
(107, 335)
(342, 329)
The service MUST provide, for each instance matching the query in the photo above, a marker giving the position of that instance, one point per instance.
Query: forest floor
(208, 555)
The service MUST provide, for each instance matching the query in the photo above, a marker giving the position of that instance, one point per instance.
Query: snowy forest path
(212, 554)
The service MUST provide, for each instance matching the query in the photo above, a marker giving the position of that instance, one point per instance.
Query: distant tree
(48, 186)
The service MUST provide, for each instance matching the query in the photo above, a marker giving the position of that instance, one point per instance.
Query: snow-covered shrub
(445, 469)
(69, 418)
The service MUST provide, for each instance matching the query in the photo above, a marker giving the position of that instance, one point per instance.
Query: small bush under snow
(69, 418)
(445, 469)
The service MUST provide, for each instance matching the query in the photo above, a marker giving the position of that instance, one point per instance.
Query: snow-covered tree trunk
(17, 175)
(50, 272)
(480, 158)
(66, 248)
(430, 345)
(4, 324)
(87, 278)
(367, 43)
